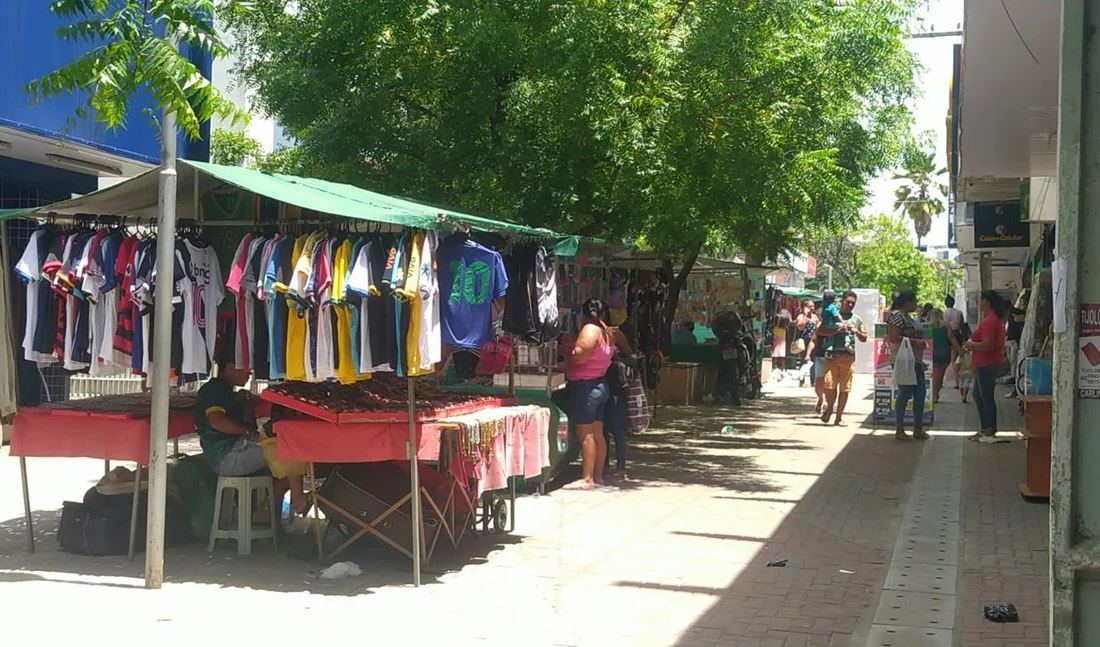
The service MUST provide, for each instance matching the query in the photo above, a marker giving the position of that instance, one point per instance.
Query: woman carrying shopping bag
(907, 347)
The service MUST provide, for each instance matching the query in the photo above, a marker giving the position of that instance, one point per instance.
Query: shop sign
(1088, 343)
(998, 224)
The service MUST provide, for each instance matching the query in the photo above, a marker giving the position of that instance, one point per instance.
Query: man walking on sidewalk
(840, 357)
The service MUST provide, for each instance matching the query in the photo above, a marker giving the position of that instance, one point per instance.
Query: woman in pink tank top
(589, 391)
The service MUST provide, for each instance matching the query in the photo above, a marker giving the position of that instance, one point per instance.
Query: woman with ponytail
(589, 391)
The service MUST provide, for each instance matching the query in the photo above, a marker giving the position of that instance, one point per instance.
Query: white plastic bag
(340, 570)
(905, 365)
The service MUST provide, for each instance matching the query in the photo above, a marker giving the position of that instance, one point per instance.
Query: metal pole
(414, 483)
(830, 277)
(985, 271)
(27, 504)
(162, 356)
(134, 512)
(1073, 516)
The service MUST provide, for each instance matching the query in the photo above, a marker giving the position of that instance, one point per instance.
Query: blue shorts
(587, 399)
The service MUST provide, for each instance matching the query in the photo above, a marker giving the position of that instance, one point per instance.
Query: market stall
(420, 272)
(110, 428)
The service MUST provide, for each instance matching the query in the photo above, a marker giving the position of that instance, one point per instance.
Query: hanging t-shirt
(277, 273)
(365, 280)
(233, 284)
(202, 293)
(123, 343)
(410, 296)
(347, 371)
(296, 320)
(29, 268)
(431, 340)
(326, 336)
(471, 277)
(546, 291)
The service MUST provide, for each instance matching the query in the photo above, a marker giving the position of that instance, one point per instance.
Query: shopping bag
(905, 365)
(637, 407)
(280, 469)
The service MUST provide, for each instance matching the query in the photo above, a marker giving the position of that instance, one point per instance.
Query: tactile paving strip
(922, 578)
(890, 636)
(917, 606)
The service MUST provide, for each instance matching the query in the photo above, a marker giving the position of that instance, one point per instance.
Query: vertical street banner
(886, 394)
(1088, 342)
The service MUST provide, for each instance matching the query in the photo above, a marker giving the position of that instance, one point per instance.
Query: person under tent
(228, 441)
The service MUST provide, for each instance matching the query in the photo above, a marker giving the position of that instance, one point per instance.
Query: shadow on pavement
(292, 568)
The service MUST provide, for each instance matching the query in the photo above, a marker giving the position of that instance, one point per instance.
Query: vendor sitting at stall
(228, 442)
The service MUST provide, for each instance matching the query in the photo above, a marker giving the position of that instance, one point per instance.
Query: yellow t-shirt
(296, 324)
(411, 293)
(346, 370)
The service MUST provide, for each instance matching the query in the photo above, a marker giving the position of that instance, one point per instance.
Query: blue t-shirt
(471, 277)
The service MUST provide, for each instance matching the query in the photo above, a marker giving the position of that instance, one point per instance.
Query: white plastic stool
(244, 533)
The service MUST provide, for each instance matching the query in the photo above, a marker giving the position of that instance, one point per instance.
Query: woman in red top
(988, 347)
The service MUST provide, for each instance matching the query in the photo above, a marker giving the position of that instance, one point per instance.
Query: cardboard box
(680, 384)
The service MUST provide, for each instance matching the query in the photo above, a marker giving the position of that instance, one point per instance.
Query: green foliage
(133, 50)
(733, 125)
(234, 149)
(920, 197)
(887, 260)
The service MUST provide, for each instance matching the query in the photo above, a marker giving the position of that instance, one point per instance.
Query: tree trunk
(677, 281)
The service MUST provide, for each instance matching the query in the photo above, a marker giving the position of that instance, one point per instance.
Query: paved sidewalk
(675, 557)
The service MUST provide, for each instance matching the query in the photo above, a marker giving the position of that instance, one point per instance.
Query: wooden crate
(680, 384)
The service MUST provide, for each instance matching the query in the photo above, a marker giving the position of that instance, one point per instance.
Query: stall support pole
(414, 483)
(162, 357)
(27, 503)
(134, 512)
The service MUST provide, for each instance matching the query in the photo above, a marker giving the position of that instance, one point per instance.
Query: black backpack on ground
(100, 525)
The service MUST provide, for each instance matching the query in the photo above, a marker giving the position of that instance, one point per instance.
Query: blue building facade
(42, 157)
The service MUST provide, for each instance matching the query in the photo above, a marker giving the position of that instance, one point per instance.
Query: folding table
(69, 431)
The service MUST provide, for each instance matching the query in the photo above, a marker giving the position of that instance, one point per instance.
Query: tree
(233, 148)
(134, 48)
(729, 124)
(888, 262)
(921, 196)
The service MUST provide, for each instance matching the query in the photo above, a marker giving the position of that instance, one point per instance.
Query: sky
(930, 107)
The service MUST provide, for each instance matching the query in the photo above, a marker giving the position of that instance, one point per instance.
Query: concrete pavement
(674, 557)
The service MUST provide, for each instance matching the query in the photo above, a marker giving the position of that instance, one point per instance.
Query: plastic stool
(244, 533)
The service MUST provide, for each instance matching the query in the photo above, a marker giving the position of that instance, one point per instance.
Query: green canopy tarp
(137, 197)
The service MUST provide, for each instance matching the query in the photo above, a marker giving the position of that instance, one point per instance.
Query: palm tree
(134, 49)
(921, 196)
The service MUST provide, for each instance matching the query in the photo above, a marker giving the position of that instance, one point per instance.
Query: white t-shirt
(359, 283)
(202, 292)
(431, 337)
(29, 269)
(953, 317)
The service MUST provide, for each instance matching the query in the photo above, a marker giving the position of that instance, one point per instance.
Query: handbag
(637, 407)
(621, 374)
(798, 346)
(905, 365)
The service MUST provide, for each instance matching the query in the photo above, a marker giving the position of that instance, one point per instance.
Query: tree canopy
(879, 254)
(731, 124)
(920, 196)
(134, 48)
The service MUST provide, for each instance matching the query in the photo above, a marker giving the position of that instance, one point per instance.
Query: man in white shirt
(952, 316)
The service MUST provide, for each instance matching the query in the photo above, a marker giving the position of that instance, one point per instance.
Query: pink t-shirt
(594, 366)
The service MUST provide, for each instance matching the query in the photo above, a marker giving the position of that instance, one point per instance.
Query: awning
(137, 198)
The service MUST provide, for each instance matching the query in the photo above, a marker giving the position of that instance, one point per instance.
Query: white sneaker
(989, 440)
(709, 399)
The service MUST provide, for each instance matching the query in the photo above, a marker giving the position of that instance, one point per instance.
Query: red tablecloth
(318, 441)
(54, 433)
